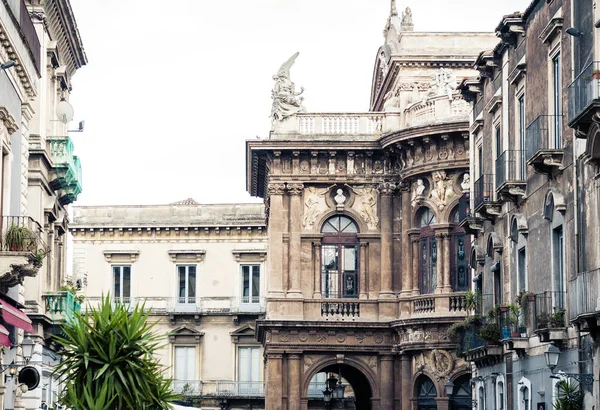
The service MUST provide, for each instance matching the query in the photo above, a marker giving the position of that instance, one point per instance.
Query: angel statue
(286, 100)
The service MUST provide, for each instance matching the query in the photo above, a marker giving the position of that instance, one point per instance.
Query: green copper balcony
(67, 167)
(62, 305)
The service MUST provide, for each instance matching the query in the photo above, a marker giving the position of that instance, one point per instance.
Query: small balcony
(22, 249)
(544, 143)
(478, 350)
(67, 178)
(232, 389)
(511, 175)
(584, 97)
(469, 221)
(550, 319)
(340, 310)
(513, 319)
(584, 299)
(484, 197)
(61, 306)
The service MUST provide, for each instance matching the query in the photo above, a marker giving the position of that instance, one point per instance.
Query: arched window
(460, 246)
(428, 252)
(426, 394)
(461, 398)
(339, 258)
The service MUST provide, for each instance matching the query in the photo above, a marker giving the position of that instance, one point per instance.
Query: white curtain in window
(185, 363)
(249, 364)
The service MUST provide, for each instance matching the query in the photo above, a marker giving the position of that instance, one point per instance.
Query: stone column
(295, 249)
(416, 255)
(387, 382)
(406, 379)
(317, 270)
(362, 286)
(441, 268)
(294, 382)
(446, 255)
(386, 190)
(276, 227)
(406, 247)
(274, 392)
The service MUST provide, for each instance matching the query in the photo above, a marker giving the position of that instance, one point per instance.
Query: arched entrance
(359, 391)
(461, 398)
(426, 394)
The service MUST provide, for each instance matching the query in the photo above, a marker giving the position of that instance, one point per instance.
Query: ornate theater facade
(367, 265)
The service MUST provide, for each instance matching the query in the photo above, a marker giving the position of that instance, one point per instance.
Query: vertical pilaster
(406, 246)
(386, 189)
(442, 403)
(406, 379)
(274, 391)
(294, 382)
(446, 257)
(295, 249)
(441, 266)
(387, 382)
(363, 271)
(276, 226)
(317, 270)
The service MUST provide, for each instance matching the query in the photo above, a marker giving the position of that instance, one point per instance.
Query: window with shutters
(249, 364)
(185, 364)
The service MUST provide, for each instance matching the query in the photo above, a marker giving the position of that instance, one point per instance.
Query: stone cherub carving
(286, 100)
(367, 204)
(443, 191)
(314, 204)
(443, 82)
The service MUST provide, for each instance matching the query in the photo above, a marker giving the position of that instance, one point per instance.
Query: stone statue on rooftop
(286, 101)
(407, 20)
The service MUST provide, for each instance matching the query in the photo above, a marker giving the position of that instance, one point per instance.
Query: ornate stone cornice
(8, 121)
(295, 188)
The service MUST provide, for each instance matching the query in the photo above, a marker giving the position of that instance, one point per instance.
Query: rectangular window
(122, 283)
(250, 283)
(522, 269)
(557, 101)
(522, 164)
(249, 370)
(339, 275)
(186, 277)
(498, 142)
(480, 161)
(559, 267)
(185, 363)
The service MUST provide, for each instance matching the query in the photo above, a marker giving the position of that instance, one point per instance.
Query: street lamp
(552, 355)
(7, 65)
(449, 386)
(27, 349)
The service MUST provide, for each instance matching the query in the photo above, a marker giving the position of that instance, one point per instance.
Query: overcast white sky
(174, 88)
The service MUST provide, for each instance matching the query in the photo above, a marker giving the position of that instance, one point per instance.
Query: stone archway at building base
(362, 384)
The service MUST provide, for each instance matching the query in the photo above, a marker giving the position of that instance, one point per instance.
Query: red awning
(16, 317)
(4, 340)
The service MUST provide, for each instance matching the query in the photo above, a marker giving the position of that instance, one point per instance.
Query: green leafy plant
(110, 353)
(523, 297)
(68, 287)
(569, 396)
(19, 239)
(490, 332)
(38, 258)
(470, 300)
(557, 319)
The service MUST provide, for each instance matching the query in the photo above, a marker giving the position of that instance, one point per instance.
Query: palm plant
(569, 396)
(109, 360)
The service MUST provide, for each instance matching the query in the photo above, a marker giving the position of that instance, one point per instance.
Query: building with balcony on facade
(534, 209)
(200, 269)
(368, 265)
(40, 52)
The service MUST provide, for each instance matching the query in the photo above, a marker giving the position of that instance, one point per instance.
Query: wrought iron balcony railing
(510, 167)
(484, 190)
(543, 134)
(550, 310)
(584, 294)
(21, 234)
(584, 90)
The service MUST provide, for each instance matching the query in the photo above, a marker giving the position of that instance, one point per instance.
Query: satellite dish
(64, 112)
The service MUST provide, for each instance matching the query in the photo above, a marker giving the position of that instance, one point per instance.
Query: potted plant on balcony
(557, 319)
(490, 332)
(514, 313)
(19, 239)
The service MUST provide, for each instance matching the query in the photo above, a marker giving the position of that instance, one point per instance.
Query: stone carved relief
(366, 204)
(314, 205)
(286, 101)
(443, 82)
(372, 362)
(308, 362)
(439, 363)
(360, 337)
(418, 192)
(322, 337)
(443, 189)
(284, 336)
(304, 166)
(303, 336)
(411, 336)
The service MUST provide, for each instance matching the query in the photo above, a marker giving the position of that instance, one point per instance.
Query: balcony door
(249, 362)
(251, 284)
(185, 368)
(339, 258)
(121, 283)
(186, 280)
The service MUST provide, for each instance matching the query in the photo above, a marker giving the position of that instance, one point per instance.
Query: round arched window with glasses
(339, 258)
(428, 252)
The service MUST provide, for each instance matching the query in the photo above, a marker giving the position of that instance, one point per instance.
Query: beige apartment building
(200, 269)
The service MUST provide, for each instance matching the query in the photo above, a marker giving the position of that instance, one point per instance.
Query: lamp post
(552, 355)
(449, 387)
(334, 389)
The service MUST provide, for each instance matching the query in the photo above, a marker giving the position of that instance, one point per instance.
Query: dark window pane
(192, 284)
(246, 283)
(255, 287)
(126, 282)
(117, 281)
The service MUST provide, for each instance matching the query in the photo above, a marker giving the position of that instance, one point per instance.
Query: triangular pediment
(246, 330)
(185, 331)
